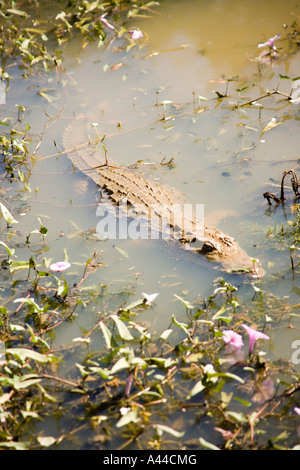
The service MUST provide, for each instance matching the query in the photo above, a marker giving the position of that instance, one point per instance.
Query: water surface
(221, 159)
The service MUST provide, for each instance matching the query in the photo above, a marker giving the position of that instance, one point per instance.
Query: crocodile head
(225, 251)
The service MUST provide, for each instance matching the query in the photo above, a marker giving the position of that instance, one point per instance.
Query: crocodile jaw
(233, 259)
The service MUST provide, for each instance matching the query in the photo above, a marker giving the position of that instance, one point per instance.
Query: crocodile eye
(208, 247)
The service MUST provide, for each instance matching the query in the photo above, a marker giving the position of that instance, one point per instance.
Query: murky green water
(221, 159)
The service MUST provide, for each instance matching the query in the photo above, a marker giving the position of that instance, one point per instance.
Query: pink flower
(270, 42)
(297, 410)
(232, 338)
(253, 336)
(136, 34)
(59, 266)
(234, 342)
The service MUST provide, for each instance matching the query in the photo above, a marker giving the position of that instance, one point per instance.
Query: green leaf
(15, 445)
(196, 389)
(193, 357)
(66, 258)
(120, 365)
(23, 354)
(14, 327)
(46, 97)
(32, 264)
(79, 339)
(183, 326)
(208, 445)
(240, 269)
(186, 303)
(142, 330)
(219, 313)
(122, 328)
(257, 289)
(36, 339)
(29, 414)
(3, 310)
(15, 11)
(46, 441)
(239, 90)
(10, 251)
(165, 334)
(31, 303)
(161, 428)
(104, 373)
(18, 265)
(138, 361)
(133, 305)
(162, 362)
(237, 416)
(63, 17)
(244, 402)
(231, 376)
(206, 322)
(130, 417)
(7, 215)
(106, 333)
(63, 288)
(19, 383)
(83, 371)
(32, 231)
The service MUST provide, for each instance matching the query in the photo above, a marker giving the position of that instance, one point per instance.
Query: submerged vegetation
(213, 369)
(32, 33)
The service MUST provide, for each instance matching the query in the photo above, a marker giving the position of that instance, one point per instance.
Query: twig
(268, 93)
(59, 379)
(295, 185)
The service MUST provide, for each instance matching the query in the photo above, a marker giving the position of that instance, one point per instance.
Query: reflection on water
(221, 39)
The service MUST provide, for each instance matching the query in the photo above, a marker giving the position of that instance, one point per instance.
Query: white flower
(149, 298)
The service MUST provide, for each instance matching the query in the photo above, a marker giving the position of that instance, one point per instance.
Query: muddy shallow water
(220, 156)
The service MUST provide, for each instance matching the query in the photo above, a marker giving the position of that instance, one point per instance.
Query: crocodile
(83, 146)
